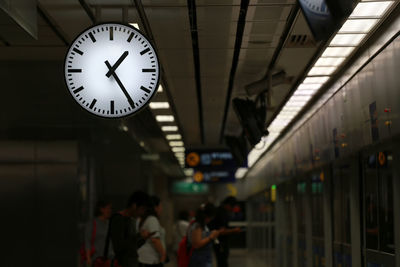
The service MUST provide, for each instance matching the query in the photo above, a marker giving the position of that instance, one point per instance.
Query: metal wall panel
(39, 204)
(348, 111)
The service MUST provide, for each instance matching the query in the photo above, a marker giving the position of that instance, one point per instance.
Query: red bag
(185, 251)
(82, 250)
(102, 262)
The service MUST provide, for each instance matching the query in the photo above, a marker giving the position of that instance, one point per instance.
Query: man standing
(123, 234)
(221, 222)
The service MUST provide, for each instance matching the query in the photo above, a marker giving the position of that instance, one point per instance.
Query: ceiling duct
(300, 41)
(18, 20)
(262, 85)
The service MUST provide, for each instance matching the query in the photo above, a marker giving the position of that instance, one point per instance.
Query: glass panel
(371, 202)
(386, 225)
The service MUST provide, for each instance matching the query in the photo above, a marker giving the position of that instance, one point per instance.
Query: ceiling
(236, 42)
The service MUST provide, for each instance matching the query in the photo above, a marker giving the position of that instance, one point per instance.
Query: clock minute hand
(116, 65)
(130, 101)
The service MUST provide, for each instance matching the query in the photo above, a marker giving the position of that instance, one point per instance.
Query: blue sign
(210, 158)
(213, 176)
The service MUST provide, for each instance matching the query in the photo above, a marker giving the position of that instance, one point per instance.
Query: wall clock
(112, 70)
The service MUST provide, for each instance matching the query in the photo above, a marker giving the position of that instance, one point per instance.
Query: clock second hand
(120, 85)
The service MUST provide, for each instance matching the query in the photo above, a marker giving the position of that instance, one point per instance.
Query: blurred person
(200, 238)
(221, 223)
(180, 229)
(96, 232)
(153, 251)
(123, 234)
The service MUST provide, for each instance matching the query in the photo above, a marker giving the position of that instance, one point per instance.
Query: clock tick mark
(112, 106)
(111, 33)
(92, 37)
(130, 37)
(74, 70)
(145, 51)
(145, 89)
(77, 51)
(77, 90)
(148, 70)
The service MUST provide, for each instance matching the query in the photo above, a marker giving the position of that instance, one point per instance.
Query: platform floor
(241, 258)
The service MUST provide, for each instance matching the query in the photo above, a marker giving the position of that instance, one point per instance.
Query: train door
(342, 173)
(378, 219)
(301, 223)
(317, 213)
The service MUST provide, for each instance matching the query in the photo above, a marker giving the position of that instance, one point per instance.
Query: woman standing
(153, 252)
(200, 238)
(96, 232)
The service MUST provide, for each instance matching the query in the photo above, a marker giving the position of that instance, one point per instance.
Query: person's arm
(152, 226)
(198, 241)
(230, 231)
(159, 248)
(88, 242)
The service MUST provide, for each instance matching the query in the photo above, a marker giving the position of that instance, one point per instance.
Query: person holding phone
(200, 238)
(153, 251)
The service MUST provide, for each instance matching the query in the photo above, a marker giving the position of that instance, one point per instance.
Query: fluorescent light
(135, 25)
(304, 98)
(178, 149)
(188, 172)
(169, 128)
(160, 89)
(329, 61)
(309, 86)
(304, 92)
(164, 118)
(371, 9)
(291, 109)
(320, 80)
(176, 143)
(337, 51)
(240, 173)
(321, 71)
(358, 25)
(174, 137)
(179, 154)
(348, 39)
(159, 105)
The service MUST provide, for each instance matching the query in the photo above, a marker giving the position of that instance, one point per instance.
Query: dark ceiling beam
(52, 24)
(235, 60)
(88, 10)
(196, 60)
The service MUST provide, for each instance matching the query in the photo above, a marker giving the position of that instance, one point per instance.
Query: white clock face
(112, 70)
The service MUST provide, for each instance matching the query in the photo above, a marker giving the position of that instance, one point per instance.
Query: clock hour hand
(116, 65)
(130, 101)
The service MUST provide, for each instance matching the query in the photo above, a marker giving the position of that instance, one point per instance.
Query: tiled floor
(243, 258)
(240, 258)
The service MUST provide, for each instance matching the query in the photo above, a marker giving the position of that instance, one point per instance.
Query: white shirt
(147, 253)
